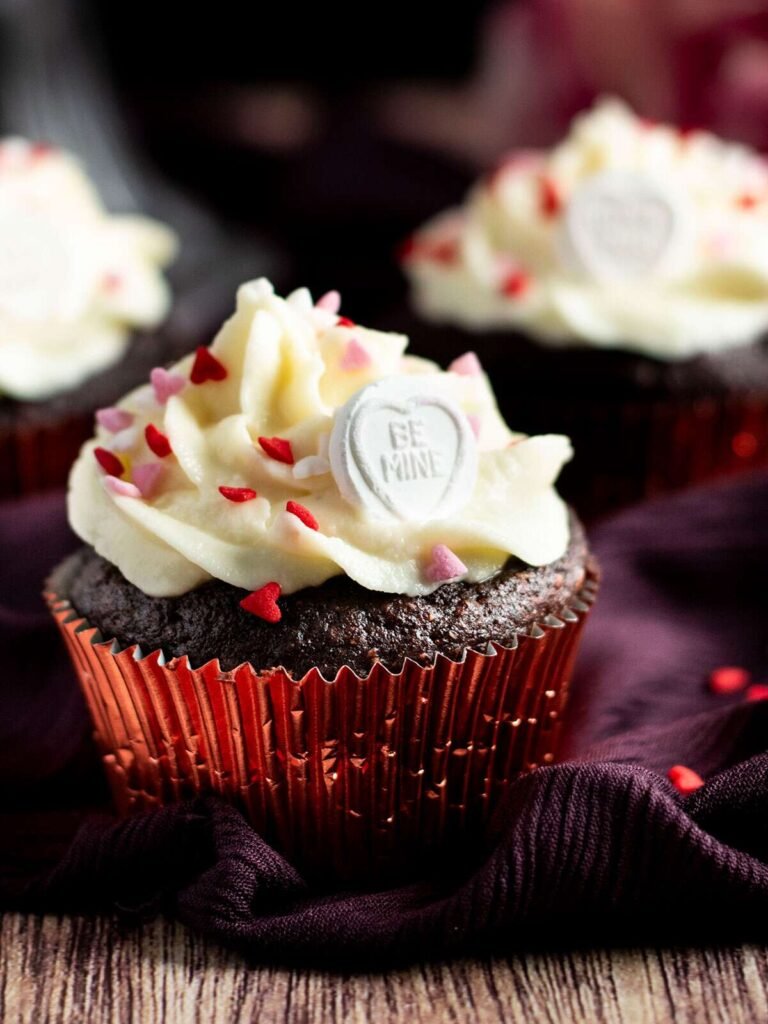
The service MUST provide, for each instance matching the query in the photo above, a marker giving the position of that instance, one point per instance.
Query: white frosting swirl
(504, 259)
(74, 281)
(289, 370)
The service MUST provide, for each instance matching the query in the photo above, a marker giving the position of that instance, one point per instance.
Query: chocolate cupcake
(616, 289)
(326, 582)
(79, 290)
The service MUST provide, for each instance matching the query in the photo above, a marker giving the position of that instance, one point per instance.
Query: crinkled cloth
(599, 847)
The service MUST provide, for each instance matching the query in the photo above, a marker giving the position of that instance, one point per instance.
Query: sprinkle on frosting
(114, 420)
(438, 500)
(344, 321)
(157, 442)
(109, 462)
(444, 565)
(121, 487)
(238, 494)
(278, 448)
(206, 367)
(618, 237)
(331, 302)
(75, 281)
(263, 603)
(165, 385)
(302, 512)
(728, 679)
(468, 365)
(355, 356)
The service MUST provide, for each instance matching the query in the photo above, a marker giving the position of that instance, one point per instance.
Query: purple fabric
(598, 847)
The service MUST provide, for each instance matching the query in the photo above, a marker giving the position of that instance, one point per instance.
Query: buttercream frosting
(74, 280)
(221, 466)
(628, 234)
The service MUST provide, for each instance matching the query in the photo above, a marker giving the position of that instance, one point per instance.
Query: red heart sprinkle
(238, 493)
(757, 691)
(158, 442)
(109, 462)
(685, 780)
(728, 679)
(302, 512)
(344, 321)
(516, 284)
(549, 198)
(263, 603)
(278, 448)
(206, 367)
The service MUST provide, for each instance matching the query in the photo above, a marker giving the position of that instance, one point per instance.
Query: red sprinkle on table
(744, 444)
(728, 679)
(206, 367)
(302, 512)
(344, 321)
(263, 603)
(516, 284)
(685, 780)
(278, 448)
(238, 494)
(157, 441)
(109, 462)
(549, 198)
(757, 691)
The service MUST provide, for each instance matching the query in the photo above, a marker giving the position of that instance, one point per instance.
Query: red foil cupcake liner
(37, 456)
(351, 778)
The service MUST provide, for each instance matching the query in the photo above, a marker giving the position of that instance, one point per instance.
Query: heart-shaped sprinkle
(685, 780)
(113, 419)
(444, 565)
(728, 679)
(121, 487)
(550, 202)
(311, 465)
(206, 367)
(475, 423)
(331, 302)
(165, 384)
(109, 462)
(158, 443)
(355, 356)
(302, 512)
(344, 321)
(399, 451)
(467, 365)
(147, 477)
(277, 448)
(263, 603)
(515, 284)
(238, 494)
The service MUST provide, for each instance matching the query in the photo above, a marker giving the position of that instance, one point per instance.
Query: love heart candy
(402, 451)
(618, 226)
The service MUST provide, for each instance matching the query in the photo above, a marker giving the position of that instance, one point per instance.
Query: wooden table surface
(72, 970)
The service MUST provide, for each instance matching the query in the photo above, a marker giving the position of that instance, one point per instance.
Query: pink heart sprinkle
(147, 477)
(475, 423)
(355, 357)
(444, 565)
(165, 384)
(113, 419)
(331, 302)
(121, 487)
(467, 365)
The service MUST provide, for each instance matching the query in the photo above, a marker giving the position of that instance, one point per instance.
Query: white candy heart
(401, 450)
(620, 225)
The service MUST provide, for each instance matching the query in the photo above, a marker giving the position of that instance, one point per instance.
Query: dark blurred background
(320, 136)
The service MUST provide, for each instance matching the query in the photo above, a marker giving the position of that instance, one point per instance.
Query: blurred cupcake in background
(616, 289)
(79, 290)
(325, 581)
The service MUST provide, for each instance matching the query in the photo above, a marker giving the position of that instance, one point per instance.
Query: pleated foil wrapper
(352, 779)
(37, 456)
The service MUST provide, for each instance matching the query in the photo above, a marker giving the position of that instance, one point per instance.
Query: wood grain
(89, 970)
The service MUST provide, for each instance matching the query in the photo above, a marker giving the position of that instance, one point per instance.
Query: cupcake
(325, 581)
(76, 285)
(616, 289)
